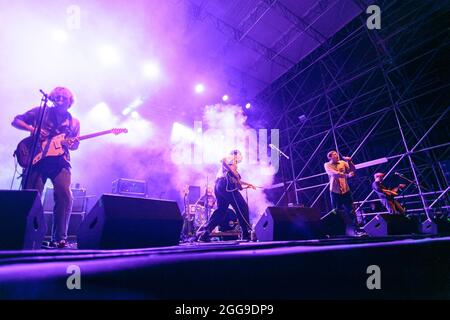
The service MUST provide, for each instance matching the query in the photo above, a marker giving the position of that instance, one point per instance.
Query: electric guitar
(53, 146)
(395, 191)
(233, 180)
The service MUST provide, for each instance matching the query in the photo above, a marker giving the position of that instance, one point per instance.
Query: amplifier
(135, 188)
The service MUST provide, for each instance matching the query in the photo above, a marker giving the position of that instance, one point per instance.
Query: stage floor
(340, 268)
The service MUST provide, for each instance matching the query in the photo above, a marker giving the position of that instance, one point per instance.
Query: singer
(387, 195)
(55, 121)
(338, 172)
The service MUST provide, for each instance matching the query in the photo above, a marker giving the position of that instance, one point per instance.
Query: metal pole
(411, 151)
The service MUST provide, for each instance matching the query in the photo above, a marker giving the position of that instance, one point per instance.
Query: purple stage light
(59, 35)
(181, 133)
(126, 111)
(199, 88)
(101, 110)
(225, 97)
(133, 105)
(135, 115)
(248, 105)
(136, 103)
(151, 70)
(108, 55)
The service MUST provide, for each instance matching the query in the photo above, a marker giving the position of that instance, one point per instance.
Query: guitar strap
(70, 122)
(56, 128)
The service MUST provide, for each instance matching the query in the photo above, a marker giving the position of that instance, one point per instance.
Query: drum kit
(197, 214)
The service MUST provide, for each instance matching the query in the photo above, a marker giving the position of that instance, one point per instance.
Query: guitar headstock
(117, 131)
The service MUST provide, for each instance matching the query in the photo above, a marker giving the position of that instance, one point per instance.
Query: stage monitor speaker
(122, 222)
(428, 227)
(22, 223)
(333, 224)
(390, 224)
(289, 223)
(438, 225)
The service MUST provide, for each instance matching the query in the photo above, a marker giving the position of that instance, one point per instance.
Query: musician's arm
(22, 125)
(75, 143)
(243, 183)
(333, 172)
(378, 188)
(389, 192)
(27, 120)
(351, 165)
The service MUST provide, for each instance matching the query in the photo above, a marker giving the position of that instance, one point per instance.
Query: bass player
(387, 195)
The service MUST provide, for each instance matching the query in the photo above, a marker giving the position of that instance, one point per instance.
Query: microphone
(46, 96)
(281, 152)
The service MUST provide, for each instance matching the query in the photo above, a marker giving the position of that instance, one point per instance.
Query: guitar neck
(93, 135)
(230, 170)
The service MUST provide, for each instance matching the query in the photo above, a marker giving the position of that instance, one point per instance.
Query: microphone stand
(207, 208)
(36, 137)
(412, 182)
(409, 183)
(186, 229)
(283, 177)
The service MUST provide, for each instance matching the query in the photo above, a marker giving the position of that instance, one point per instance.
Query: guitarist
(387, 195)
(227, 187)
(56, 120)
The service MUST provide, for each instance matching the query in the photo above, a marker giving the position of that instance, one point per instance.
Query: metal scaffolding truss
(241, 34)
(380, 96)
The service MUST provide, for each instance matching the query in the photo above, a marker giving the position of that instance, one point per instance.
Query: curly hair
(62, 91)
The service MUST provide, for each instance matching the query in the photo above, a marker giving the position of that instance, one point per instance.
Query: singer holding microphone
(55, 120)
(387, 195)
(341, 197)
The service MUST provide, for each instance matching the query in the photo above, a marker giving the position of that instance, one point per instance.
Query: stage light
(151, 70)
(135, 115)
(225, 97)
(59, 35)
(133, 105)
(100, 110)
(181, 133)
(248, 105)
(136, 103)
(199, 88)
(108, 55)
(126, 111)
